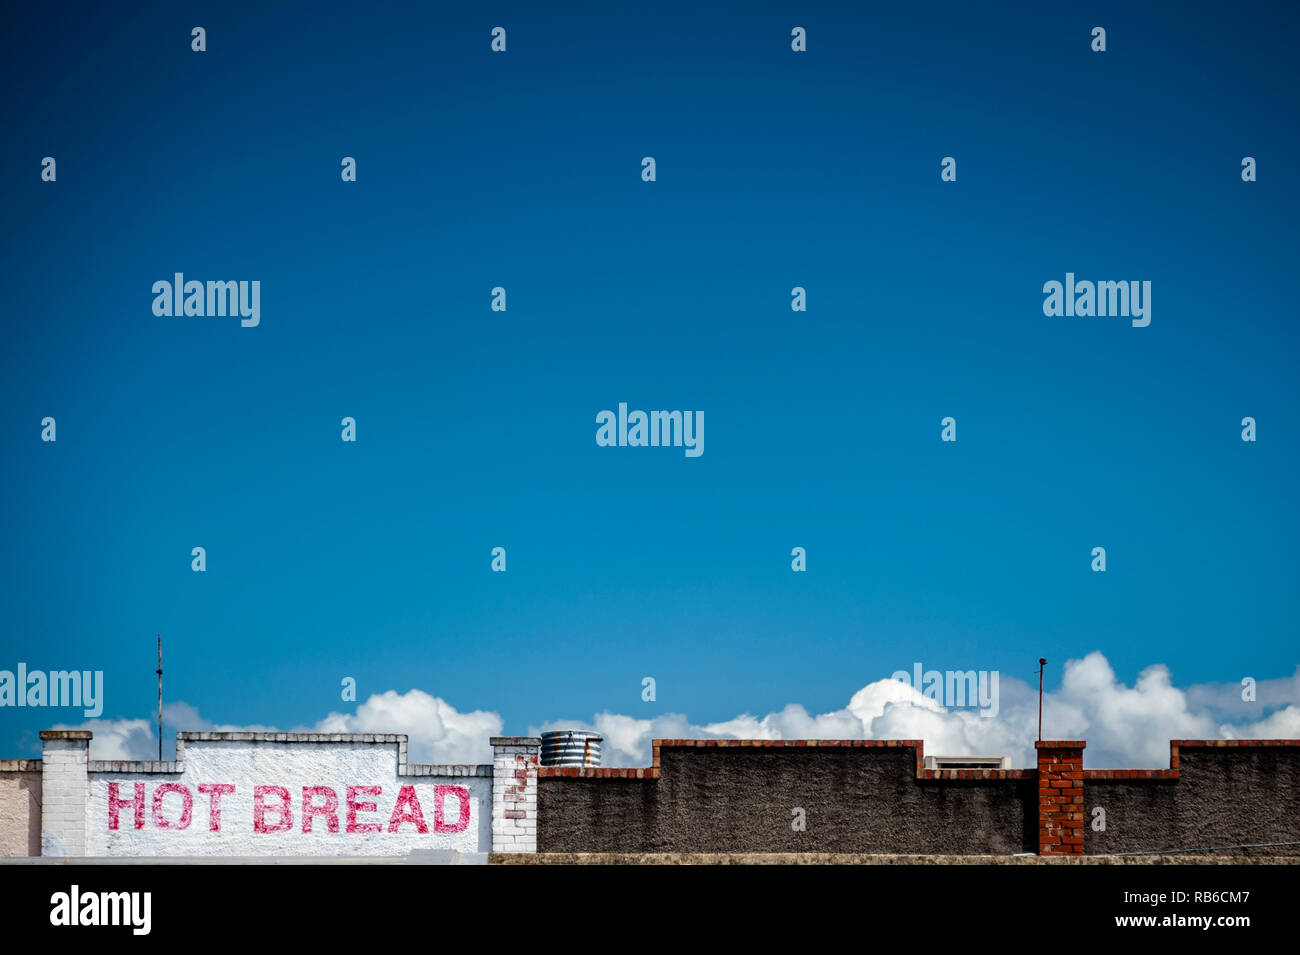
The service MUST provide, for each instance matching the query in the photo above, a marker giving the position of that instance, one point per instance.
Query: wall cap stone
(21, 765)
(273, 737)
(923, 774)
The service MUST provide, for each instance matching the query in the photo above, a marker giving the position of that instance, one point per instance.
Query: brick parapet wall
(515, 765)
(1060, 797)
(1239, 796)
(65, 789)
(1055, 811)
(722, 795)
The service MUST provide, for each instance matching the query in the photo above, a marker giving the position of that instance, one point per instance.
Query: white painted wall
(292, 766)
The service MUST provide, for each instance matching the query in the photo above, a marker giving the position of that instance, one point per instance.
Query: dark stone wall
(1224, 797)
(731, 799)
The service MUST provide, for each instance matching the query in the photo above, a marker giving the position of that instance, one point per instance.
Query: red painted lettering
(215, 791)
(330, 809)
(187, 806)
(260, 807)
(115, 803)
(407, 810)
(354, 807)
(439, 794)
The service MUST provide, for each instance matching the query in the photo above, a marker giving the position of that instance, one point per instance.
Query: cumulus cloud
(1284, 724)
(1125, 726)
(438, 732)
(1133, 724)
(1226, 699)
(118, 739)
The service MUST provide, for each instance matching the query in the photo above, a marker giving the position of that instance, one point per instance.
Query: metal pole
(1041, 664)
(159, 672)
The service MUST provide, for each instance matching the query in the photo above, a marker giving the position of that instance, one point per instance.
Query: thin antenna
(1041, 664)
(159, 672)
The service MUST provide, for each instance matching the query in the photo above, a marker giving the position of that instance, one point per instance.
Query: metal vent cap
(570, 748)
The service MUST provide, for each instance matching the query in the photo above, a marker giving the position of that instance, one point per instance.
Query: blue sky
(476, 428)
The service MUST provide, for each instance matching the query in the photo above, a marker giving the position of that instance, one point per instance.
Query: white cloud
(438, 732)
(118, 739)
(1124, 726)
(1225, 699)
(1129, 724)
(1284, 724)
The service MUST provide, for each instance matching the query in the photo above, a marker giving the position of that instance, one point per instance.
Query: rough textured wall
(1224, 797)
(741, 800)
(158, 824)
(20, 808)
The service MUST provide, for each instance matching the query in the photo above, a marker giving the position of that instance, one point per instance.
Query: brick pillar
(514, 793)
(65, 790)
(1060, 797)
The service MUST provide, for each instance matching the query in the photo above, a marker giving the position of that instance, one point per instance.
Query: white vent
(968, 762)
